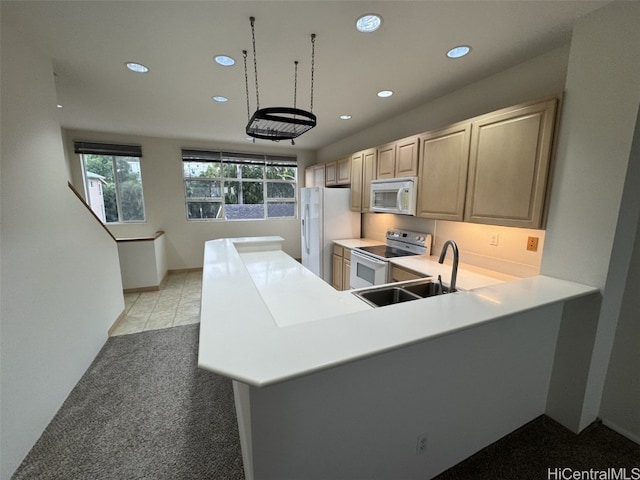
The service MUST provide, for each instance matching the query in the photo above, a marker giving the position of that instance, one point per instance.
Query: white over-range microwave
(394, 195)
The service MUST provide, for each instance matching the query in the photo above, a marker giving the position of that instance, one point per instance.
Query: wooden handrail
(150, 238)
(84, 202)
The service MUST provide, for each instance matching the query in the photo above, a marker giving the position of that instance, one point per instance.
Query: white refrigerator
(326, 216)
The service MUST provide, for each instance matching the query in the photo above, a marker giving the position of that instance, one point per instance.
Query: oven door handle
(367, 257)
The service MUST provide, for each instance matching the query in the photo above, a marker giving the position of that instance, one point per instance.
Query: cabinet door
(336, 272)
(330, 174)
(369, 160)
(407, 157)
(344, 171)
(346, 274)
(444, 161)
(309, 177)
(356, 182)
(399, 274)
(318, 172)
(386, 167)
(509, 164)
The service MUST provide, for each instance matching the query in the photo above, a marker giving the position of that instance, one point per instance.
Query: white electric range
(370, 265)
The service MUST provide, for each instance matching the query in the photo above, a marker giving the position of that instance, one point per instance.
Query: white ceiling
(90, 41)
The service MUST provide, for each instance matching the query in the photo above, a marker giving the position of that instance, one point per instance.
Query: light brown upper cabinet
(338, 172)
(398, 159)
(344, 171)
(369, 165)
(314, 176)
(331, 173)
(444, 161)
(509, 163)
(407, 157)
(386, 163)
(356, 182)
(363, 167)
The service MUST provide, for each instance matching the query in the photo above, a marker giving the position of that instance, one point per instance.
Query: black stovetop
(384, 251)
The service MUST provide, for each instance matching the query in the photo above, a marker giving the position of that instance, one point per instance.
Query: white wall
(587, 216)
(621, 398)
(362, 420)
(61, 288)
(163, 187)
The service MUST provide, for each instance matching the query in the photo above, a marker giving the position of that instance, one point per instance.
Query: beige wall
(163, 187)
(531, 80)
(61, 288)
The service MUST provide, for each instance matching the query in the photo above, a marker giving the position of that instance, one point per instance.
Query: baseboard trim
(152, 288)
(622, 431)
(185, 270)
(120, 318)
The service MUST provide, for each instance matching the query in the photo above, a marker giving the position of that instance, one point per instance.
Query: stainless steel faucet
(456, 255)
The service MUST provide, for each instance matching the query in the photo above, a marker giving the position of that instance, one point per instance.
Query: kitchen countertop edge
(240, 339)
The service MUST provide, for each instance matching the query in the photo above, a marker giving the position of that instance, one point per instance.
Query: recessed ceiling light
(59, 105)
(224, 60)
(220, 98)
(368, 23)
(459, 51)
(136, 67)
(345, 117)
(385, 93)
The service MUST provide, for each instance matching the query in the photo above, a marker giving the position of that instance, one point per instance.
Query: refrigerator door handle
(305, 227)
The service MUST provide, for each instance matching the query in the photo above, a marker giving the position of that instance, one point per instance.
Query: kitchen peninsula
(328, 387)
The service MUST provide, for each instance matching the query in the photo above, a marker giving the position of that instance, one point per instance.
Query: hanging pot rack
(278, 123)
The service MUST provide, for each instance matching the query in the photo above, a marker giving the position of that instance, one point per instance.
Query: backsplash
(509, 256)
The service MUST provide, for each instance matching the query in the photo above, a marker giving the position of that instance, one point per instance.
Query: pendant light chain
(313, 61)
(246, 83)
(278, 123)
(295, 83)
(255, 60)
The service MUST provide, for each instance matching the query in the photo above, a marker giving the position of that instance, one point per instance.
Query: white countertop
(357, 242)
(469, 276)
(265, 318)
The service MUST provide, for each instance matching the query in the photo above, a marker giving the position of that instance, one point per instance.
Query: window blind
(107, 149)
(189, 155)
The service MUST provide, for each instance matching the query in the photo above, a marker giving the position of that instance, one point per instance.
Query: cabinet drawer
(337, 250)
(347, 254)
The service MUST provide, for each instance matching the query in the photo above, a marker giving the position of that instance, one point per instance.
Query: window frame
(114, 152)
(221, 159)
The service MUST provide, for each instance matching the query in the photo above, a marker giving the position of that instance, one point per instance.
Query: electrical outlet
(532, 244)
(421, 444)
(493, 240)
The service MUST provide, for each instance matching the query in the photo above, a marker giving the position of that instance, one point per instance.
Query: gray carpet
(543, 444)
(143, 410)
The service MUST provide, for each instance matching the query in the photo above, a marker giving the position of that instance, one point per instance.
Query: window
(239, 186)
(113, 181)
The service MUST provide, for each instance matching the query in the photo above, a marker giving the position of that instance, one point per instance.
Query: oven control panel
(416, 242)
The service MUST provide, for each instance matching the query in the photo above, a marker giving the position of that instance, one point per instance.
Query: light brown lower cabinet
(346, 269)
(400, 274)
(341, 268)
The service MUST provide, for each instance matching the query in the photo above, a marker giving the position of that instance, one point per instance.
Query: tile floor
(176, 303)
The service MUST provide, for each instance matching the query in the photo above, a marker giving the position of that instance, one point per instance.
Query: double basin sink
(403, 292)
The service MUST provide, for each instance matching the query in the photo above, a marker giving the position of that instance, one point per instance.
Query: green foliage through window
(114, 187)
(232, 186)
